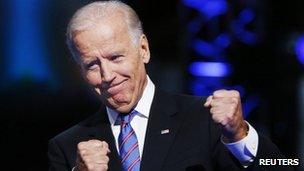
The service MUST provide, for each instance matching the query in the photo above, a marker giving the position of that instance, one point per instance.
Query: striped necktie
(128, 144)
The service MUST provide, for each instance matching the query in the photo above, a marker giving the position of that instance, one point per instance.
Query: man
(140, 127)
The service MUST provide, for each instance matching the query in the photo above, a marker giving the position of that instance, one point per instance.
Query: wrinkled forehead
(109, 27)
(104, 36)
(116, 21)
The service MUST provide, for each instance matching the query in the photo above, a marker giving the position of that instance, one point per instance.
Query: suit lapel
(161, 130)
(101, 129)
(163, 125)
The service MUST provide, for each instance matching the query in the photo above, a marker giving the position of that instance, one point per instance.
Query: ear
(144, 49)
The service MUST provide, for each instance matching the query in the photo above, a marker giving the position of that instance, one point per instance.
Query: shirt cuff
(246, 149)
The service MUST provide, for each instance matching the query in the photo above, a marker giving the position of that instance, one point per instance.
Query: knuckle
(232, 107)
(230, 115)
(220, 121)
(95, 142)
(90, 167)
(215, 119)
(103, 152)
(212, 110)
(80, 145)
(213, 103)
(98, 144)
(218, 93)
(105, 167)
(105, 144)
(107, 159)
(86, 159)
(82, 152)
(235, 100)
(235, 93)
(224, 122)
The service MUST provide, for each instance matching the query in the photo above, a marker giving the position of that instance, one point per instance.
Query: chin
(124, 109)
(122, 102)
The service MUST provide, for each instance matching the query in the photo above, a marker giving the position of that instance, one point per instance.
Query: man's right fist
(92, 155)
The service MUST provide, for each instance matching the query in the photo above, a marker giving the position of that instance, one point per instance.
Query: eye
(92, 65)
(116, 57)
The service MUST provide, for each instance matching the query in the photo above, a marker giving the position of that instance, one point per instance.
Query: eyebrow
(119, 52)
(88, 59)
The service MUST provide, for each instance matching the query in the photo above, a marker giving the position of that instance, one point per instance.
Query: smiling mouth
(116, 88)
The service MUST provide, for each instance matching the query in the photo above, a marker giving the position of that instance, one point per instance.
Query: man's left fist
(226, 109)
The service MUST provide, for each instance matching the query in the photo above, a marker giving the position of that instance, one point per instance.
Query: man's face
(112, 64)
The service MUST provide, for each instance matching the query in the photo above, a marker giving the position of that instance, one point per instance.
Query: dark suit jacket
(193, 141)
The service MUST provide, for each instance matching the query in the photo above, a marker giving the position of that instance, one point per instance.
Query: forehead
(106, 35)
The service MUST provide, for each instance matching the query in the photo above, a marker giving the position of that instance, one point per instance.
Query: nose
(107, 74)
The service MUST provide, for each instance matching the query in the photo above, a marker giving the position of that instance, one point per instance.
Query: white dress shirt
(244, 150)
(139, 121)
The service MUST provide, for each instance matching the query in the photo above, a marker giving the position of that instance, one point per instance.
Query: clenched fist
(226, 109)
(92, 155)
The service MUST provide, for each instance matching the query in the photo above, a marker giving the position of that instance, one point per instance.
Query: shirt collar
(143, 106)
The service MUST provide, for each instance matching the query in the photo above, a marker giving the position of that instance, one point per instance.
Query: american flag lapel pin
(164, 131)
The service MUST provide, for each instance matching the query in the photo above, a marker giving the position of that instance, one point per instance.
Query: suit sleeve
(268, 150)
(57, 161)
(223, 159)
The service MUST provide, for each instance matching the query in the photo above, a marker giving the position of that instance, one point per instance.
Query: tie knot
(126, 118)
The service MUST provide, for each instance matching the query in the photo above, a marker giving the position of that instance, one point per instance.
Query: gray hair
(87, 17)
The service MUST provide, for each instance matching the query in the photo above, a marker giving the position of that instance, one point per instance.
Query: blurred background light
(239, 27)
(205, 48)
(210, 8)
(223, 40)
(243, 35)
(27, 53)
(209, 69)
(299, 49)
(246, 16)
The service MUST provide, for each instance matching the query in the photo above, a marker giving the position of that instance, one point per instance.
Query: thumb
(208, 101)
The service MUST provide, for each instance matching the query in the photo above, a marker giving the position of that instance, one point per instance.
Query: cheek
(93, 78)
(128, 66)
(125, 70)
